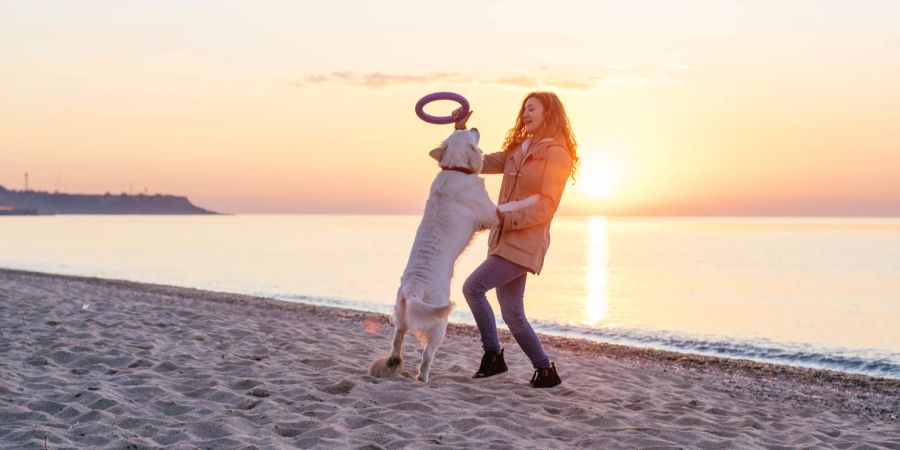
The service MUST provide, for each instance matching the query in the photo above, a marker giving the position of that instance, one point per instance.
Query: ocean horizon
(807, 291)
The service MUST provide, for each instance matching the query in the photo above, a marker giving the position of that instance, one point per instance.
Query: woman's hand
(460, 121)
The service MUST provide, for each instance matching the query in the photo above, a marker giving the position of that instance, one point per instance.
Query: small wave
(864, 361)
(359, 305)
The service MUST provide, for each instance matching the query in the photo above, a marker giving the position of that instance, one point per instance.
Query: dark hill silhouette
(62, 203)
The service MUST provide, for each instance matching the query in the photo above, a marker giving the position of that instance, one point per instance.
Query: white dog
(458, 206)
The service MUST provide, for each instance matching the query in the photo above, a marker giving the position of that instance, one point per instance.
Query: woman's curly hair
(556, 125)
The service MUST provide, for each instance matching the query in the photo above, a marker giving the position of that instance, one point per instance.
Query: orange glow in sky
(729, 108)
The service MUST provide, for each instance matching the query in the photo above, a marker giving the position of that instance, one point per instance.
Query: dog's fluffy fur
(458, 206)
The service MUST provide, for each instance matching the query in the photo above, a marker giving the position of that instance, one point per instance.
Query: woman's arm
(558, 166)
(493, 163)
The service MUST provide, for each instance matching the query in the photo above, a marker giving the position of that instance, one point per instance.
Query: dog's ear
(438, 152)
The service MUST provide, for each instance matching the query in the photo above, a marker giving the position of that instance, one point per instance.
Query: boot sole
(492, 377)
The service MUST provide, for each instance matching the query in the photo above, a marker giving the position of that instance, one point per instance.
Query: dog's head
(460, 150)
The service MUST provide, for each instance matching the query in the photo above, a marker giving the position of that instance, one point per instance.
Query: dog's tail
(422, 316)
(418, 315)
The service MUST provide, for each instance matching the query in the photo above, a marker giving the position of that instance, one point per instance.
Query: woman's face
(533, 115)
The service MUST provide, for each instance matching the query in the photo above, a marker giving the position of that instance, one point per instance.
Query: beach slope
(99, 363)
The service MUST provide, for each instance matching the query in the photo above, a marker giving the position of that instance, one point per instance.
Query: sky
(735, 108)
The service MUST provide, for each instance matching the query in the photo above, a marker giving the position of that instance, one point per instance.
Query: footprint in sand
(341, 388)
(245, 384)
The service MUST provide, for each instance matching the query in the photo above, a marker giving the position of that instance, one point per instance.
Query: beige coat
(524, 235)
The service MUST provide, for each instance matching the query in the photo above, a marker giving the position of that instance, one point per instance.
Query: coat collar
(518, 158)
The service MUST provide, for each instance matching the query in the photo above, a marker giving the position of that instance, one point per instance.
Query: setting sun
(597, 182)
(598, 177)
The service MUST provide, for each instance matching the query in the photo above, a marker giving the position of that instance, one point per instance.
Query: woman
(538, 157)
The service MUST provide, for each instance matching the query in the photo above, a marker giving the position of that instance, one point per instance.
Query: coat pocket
(494, 236)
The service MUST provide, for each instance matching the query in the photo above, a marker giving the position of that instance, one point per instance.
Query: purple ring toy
(440, 120)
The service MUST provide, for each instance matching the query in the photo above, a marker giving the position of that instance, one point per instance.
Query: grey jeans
(509, 280)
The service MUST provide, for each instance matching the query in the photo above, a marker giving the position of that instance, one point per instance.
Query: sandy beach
(92, 363)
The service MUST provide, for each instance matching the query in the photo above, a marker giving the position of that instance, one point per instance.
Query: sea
(813, 292)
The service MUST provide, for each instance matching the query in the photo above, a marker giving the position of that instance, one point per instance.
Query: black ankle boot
(545, 377)
(491, 364)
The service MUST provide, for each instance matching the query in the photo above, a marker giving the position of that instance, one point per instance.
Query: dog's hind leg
(397, 346)
(435, 336)
(400, 327)
(391, 365)
(385, 367)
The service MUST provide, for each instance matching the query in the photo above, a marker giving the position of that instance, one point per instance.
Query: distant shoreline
(42, 203)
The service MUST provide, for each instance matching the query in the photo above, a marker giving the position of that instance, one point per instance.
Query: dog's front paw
(423, 377)
(489, 223)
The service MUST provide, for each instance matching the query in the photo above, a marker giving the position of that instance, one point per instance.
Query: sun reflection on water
(596, 304)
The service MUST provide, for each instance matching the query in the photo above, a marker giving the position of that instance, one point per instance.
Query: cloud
(313, 79)
(678, 66)
(377, 80)
(382, 80)
(316, 79)
(518, 80)
(571, 85)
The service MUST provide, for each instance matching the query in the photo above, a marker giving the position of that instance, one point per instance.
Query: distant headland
(28, 202)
